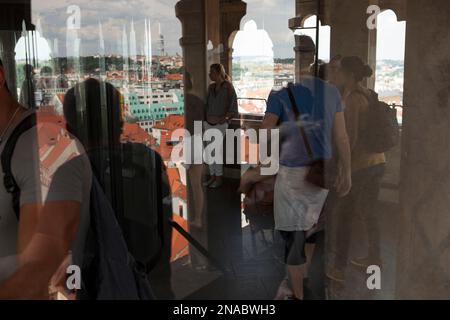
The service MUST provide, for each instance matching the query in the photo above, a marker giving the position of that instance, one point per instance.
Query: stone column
(192, 14)
(423, 263)
(212, 9)
(231, 14)
(7, 53)
(303, 10)
(350, 35)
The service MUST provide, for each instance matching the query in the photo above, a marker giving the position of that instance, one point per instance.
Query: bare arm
(253, 176)
(270, 121)
(46, 234)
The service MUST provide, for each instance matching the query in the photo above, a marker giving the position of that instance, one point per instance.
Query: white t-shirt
(48, 165)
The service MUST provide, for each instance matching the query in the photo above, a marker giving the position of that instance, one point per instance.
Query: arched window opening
(390, 59)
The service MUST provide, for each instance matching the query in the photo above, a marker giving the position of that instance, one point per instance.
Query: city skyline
(51, 20)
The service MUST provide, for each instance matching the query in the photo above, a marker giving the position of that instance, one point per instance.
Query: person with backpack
(44, 201)
(131, 176)
(368, 166)
(310, 116)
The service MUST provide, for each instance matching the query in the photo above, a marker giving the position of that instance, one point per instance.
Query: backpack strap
(298, 118)
(158, 167)
(133, 154)
(6, 158)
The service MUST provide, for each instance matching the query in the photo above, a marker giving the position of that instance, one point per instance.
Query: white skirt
(297, 203)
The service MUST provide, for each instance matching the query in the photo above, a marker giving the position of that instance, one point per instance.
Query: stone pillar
(192, 14)
(231, 14)
(303, 10)
(423, 261)
(7, 53)
(350, 35)
(212, 9)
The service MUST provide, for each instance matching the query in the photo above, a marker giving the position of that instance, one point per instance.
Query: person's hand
(229, 117)
(58, 281)
(247, 181)
(343, 183)
(246, 184)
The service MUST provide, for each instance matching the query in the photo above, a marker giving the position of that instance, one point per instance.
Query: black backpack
(141, 193)
(382, 131)
(109, 271)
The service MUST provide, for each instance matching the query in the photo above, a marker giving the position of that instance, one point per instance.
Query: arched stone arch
(231, 14)
(397, 6)
(305, 10)
(324, 34)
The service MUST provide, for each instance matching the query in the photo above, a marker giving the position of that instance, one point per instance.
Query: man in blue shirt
(297, 202)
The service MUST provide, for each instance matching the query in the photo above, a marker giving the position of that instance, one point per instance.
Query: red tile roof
(177, 188)
(174, 77)
(132, 132)
(170, 123)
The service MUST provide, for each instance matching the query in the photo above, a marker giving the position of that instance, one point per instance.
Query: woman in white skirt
(297, 202)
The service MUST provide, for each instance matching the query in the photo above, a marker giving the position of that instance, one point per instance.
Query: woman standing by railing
(221, 107)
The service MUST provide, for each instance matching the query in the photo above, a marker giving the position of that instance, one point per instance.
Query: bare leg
(296, 276)
(198, 201)
(284, 290)
(218, 169)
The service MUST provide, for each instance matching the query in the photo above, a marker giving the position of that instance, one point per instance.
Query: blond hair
(220, 69)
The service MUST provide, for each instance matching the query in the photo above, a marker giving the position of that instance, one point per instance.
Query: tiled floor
(253, 262)
(355, 286)
(254, 268)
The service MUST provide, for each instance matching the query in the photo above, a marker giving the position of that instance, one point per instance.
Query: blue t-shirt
(317, 102)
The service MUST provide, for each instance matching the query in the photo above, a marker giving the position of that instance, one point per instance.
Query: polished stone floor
(252, 266)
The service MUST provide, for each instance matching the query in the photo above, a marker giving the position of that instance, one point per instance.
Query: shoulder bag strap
(298, 118)
(9, 181)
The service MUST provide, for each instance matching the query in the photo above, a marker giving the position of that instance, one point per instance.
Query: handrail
(258, 99)
(394, 105)
(246, 120)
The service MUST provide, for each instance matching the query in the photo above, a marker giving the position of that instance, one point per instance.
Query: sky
(116, 16)
(390, 37)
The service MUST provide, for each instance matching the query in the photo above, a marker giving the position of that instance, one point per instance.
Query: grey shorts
(295, 242)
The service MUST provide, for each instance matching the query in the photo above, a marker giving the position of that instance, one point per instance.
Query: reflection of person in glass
(27, 98)
(367, 171)
(221, 107)
(132, 175)
(194, 111)
(36, 235)
(44, 84)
